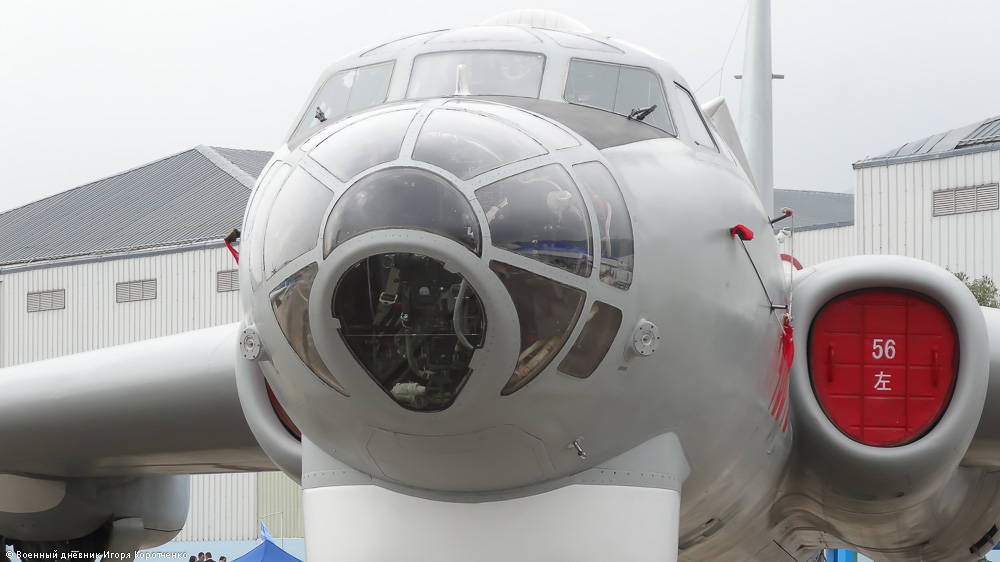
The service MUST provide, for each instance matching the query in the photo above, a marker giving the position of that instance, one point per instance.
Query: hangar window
(965, 200)
(620, 89)
(540, 214)
(347, 91)
(131, 291)
(695, 122)
(227, 280)
(487, 73)
(40, 301)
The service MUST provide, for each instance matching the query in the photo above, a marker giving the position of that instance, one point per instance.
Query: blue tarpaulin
(267, 551)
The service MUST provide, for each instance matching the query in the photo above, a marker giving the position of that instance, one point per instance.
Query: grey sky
(88, 88)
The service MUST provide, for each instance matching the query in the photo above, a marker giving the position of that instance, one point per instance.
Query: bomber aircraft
(510, 294)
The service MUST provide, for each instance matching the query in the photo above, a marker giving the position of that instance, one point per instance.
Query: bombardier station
(490, 285)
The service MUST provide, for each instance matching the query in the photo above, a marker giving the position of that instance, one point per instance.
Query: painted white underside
(576, 523)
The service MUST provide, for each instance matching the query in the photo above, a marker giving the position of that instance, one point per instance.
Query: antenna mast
(756, 104)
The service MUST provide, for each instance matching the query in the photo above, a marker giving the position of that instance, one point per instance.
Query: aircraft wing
(166, 406)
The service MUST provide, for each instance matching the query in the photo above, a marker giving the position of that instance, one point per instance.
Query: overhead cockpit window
(413, 325)
(540, 214)
(290, 303)
(347, 91)
(593, 342)
(547, 132)
(295, 219)
(546, 311)
(487, 73)
(400, 43)
(403, 198)
(625, 90)
(468, 144)
(359, 146)
(613, 223)
(694, 121)
(574, 41)
(484, 33)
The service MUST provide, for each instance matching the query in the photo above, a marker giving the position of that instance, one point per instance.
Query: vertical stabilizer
(756, 125)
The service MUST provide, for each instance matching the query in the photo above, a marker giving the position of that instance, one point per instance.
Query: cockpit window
(369, 142)
(488, 73)
(468, 144)
(346, 91)
(484, 33)
(694, 121)
(625, 90)
(613, 223)
(540, 214)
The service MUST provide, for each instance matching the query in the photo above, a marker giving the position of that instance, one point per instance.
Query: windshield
(347, 91)
(492, 73)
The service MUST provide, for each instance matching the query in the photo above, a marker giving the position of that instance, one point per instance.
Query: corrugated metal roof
(195, 195)
(815, 209)
(977, 137)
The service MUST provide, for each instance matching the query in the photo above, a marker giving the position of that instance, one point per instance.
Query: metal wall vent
(129, 291)
(227, 280)
(966, 200)
(47, 300)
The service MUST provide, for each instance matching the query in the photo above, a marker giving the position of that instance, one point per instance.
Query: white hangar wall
(894, 213)
(88, 316)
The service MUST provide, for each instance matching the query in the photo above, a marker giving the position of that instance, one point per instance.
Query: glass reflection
(413, 325)
(295, 219)
(485, 73)
(346, 91)
(593, 342)
(547, 133)
(540, 214)
(546, 311)
(290, 303)
(468, 144)
(369, 142)
(403, 198)
(613, 223)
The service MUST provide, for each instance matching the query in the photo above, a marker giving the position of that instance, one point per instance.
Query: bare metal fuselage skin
(712, 381)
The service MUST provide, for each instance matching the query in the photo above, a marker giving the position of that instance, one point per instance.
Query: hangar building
(140, 255)
(935, 199)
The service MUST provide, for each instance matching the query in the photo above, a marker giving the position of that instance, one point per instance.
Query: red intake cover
(883, 364)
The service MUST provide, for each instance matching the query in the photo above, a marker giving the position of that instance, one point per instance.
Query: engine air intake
(883, 364)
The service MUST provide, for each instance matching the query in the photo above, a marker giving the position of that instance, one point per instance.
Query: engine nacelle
(889, 381)
(91, 515)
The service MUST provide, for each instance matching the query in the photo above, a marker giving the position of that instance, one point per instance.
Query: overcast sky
(90, 88)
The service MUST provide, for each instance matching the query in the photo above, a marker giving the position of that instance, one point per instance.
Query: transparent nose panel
(372, 141)
(612, 220)
(546, 311)
(468, 144)
(403, 198)
(413, 325)
(290, 302)
(295, 219)
(540, 214)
